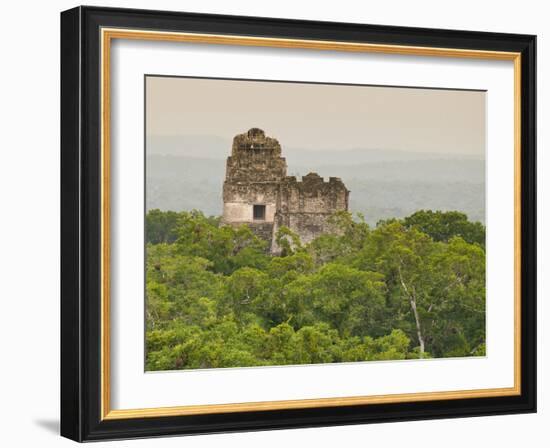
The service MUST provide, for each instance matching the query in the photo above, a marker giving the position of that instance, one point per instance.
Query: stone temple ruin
(258, 192)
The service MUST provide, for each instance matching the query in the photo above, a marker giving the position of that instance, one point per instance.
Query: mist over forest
(185, 173)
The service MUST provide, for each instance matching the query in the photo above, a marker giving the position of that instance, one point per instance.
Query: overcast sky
(320, 116)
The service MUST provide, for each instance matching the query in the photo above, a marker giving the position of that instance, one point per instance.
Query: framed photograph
(273, 223)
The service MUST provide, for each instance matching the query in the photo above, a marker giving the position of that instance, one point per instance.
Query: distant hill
(383, 184)
(436, 170)
(349, 157)
(213, 147)
(198, 146)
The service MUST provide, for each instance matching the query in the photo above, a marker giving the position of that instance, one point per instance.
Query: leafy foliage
(405, 289)
(442, 226)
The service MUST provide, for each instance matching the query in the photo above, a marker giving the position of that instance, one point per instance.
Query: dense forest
(406, 288)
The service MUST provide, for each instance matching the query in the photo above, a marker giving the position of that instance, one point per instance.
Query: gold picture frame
(514, 48)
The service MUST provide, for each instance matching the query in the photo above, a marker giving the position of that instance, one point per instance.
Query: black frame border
(81, 223)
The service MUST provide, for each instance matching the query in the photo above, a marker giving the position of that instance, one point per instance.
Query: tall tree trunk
(412, 301)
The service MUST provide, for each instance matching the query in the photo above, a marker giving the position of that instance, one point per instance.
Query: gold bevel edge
(111, 33)
(517, 222)
(358, 47)
(105, 226)
(305, 403)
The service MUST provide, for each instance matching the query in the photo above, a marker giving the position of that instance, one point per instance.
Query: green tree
(442, 226)
(288, 241)
(350, 299)
(160, 227)
(411, 288)
(400, 254)
(455, 315)
(346, 238)
(228, 248)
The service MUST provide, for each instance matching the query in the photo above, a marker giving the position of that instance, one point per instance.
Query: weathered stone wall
(251, 192)
(312, 195)
(264, 230)
(253, 173)
(306, 207)
(255, 158)
(241, 212)
(256, 175)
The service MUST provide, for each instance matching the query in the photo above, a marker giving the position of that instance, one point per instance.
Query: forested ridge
(407, 288)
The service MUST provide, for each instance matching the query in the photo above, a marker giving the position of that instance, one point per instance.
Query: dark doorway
(259, 212)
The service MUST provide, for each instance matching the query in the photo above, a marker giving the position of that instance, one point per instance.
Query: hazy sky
(320, 116)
